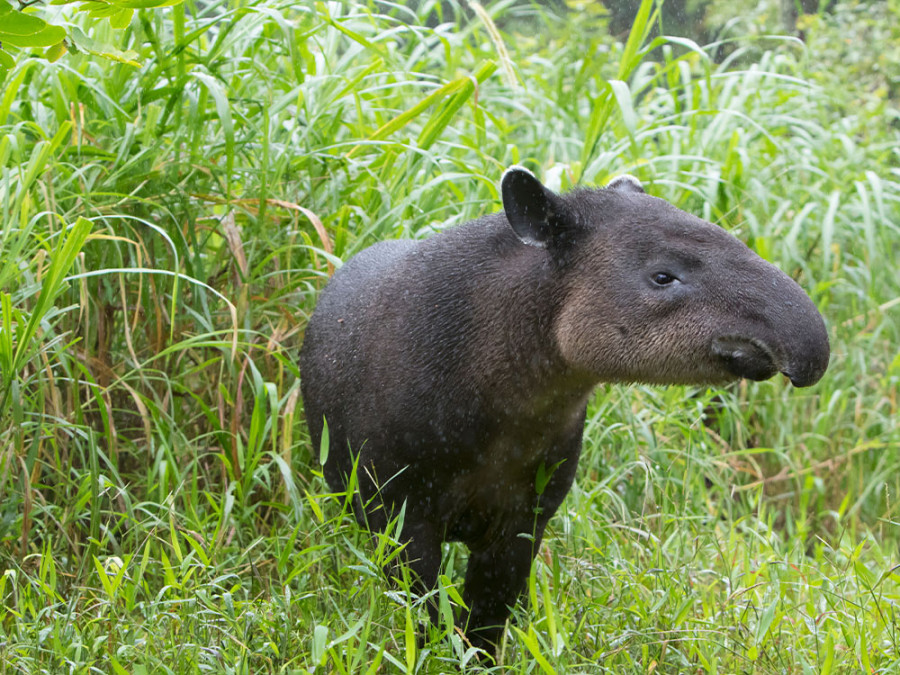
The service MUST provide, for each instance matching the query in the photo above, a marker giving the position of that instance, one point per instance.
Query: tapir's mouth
(746, 357)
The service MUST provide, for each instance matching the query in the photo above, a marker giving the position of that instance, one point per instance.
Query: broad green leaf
(864, 652)
(146, 4)
(121, 19)
(46, 37)
(828, 222)
(17, 23)
(87, 5)
(55, 52)
(895, 365)
(325, 14)
(9, 319)
(374, 667)
(548, 610)
(99, 11)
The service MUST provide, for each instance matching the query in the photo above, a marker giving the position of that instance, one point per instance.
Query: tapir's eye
(663, 278)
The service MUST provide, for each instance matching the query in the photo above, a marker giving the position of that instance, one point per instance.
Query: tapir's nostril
(745, 357)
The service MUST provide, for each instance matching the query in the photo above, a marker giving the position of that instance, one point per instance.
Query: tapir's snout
(807, 359)
(786, 334)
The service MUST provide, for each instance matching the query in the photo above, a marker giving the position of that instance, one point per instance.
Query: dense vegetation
(167, 225)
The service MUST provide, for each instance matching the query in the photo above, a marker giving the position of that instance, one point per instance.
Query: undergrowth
(166, 230)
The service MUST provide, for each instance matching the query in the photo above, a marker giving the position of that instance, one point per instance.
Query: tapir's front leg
(498, 573)
(495, 578)
(422, 555)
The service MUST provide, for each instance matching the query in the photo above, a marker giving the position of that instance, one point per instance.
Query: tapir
(454, 372)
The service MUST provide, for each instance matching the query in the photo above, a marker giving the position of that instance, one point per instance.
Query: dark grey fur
(459, 367)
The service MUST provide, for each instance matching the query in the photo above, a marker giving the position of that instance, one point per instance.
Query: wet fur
(458, 368)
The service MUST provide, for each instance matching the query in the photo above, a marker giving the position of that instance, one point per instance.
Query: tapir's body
(457, 369)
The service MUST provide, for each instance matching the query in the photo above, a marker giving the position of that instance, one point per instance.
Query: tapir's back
(332, 347)
(388, 354)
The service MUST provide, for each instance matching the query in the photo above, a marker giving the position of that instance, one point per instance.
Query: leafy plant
(21, 30)
(166, 229)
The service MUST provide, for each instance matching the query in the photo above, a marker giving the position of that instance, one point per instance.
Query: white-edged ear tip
(515, 168)
(626, 182)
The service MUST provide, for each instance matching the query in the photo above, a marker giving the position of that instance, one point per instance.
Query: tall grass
(166, 230)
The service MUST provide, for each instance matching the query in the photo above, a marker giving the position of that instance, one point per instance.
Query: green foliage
(23, 31)
(166, 230)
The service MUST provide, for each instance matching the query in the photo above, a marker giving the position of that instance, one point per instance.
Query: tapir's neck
(513, 355)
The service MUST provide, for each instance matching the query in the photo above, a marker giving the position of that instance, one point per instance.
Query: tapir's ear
(531, 209)
(626, 183)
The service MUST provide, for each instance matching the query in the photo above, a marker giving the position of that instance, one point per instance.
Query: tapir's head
(653, 294)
